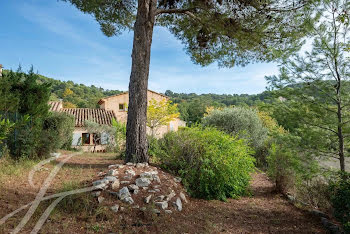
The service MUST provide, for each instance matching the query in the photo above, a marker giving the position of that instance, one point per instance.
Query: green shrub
(25, 139)
(212, 164)
(239, 121)
(61, 126)
(281, 167)
(120, 135)
(57, 133)
(340, 198)
(5, 128)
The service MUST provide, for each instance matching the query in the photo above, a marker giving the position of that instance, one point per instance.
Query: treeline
(73, 94)
(76, 95)
(193, 107)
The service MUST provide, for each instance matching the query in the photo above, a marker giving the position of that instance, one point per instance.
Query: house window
(86, 138)
(121, 107)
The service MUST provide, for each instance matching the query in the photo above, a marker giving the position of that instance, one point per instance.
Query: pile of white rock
(143, 183)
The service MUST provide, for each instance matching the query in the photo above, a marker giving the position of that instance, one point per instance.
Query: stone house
(113, 107)
(119, 103)
(81, 138)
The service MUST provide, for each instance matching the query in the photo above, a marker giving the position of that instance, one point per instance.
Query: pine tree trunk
(136, 138)
(340, 139)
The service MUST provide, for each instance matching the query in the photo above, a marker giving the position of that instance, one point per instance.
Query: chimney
(0, 70)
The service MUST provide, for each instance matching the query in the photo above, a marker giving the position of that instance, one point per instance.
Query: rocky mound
(139, 186)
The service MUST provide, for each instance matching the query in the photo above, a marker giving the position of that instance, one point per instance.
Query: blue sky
(63, 43)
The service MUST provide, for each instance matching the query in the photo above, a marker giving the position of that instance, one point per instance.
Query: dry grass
(263, 212)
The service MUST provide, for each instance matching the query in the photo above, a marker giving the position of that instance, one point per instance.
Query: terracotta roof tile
(55, 106)
(100, 116)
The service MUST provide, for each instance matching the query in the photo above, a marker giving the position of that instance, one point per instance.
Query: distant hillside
(191, 106)
(77, 95)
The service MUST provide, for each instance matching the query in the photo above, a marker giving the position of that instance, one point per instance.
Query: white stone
(128, 200)
(122, 208)
(156, 186)
(101, 173)
(178, 204)
(168, 211)
(115, 208)
(100, 199)
(112, 166)
(144, 188)
(100, 182)
(125, 182)
(152, 191)
(155, 172)
(136, 207)
(163, 204)
(156, 211)
(183, 197)
(170, 195)
(133, 187)
(142, 182)
(148, 199)
(113, 172)
(177, 179)
(147, 175)
(129, 164)
(156, 178)
(130, 172)
(140, 165)
(136, 191)
(115, 185)
(127, 177)
(123, 193)
(111, 178)
(143, 208)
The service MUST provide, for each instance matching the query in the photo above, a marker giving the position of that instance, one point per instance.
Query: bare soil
(263, 212)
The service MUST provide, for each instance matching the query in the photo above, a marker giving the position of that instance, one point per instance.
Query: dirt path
(263, 212)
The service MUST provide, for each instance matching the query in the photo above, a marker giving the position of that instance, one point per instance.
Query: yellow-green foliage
(270, 123)
(212, 164)
(160, 113)
(5, 128)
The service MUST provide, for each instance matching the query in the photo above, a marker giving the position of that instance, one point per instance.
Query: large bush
(239, 121)
(212, 164)
(57, 132)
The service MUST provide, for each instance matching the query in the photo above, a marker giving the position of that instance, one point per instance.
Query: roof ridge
(102, 99)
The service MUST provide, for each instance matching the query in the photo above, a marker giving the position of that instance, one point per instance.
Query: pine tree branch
(187, 11)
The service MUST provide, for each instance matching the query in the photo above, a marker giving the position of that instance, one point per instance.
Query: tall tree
(316, 86)
(231, 32)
